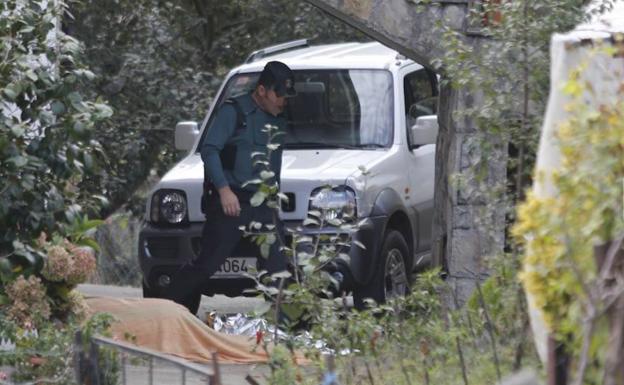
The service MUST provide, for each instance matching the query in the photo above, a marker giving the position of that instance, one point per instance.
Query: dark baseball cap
(277, 76)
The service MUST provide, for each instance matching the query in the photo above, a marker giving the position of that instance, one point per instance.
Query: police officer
(234, 134)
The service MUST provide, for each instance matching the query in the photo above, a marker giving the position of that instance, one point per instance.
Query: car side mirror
(185, 135)
(425, 131)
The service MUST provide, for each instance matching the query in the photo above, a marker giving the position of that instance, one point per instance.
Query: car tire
(149, 292)
(391, 278)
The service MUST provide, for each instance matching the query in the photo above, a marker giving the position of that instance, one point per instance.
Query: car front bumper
(163, 250)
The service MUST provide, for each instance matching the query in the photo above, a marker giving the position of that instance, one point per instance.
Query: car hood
(321, 165)
(302, 172)
(333, 166)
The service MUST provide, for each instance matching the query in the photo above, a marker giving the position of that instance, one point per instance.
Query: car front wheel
(391, 278)
(149, 292)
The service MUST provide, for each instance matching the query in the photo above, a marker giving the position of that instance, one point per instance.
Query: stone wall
(468, 226)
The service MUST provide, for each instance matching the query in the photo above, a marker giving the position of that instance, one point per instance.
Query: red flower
(259, 335)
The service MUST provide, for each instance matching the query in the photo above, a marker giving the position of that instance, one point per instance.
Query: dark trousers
(220, 235)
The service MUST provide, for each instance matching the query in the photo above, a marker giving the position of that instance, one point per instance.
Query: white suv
(364, 121)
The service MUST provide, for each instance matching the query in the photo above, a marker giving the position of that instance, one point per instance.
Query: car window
(333, 108)
(420, 96)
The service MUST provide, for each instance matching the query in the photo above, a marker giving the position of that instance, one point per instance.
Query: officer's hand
(229, 202)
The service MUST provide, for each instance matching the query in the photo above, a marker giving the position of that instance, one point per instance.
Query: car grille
(196, 245)
(164, 247)
(245, 248)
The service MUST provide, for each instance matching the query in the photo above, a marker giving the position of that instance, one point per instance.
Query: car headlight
(336, 203)
(169, 206)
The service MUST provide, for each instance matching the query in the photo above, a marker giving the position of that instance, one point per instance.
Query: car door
(420, 96)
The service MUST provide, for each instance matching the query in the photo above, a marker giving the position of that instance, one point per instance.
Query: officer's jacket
(245, 140)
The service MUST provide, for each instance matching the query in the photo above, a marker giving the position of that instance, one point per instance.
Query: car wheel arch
(388, 203)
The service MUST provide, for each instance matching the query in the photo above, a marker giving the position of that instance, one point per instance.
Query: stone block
(482, 169)
(455, 16)
(461, 290)
(467, 252)
(463, 217)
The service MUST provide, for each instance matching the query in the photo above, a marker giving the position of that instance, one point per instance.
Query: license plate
(234, 267)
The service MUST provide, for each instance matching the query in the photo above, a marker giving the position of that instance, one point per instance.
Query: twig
(462, 361)
(588, 331)
(490, 330)
(369, 373)
(469, 318)
(611, 253)
(460, 352)
(426, 368)
(278, 303)
(520, 348)
(406, 374)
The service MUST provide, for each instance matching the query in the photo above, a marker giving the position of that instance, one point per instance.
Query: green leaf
(17, 130)
(255, 225)
(92, 243)
(283, 197)
(258, 198)
(92, 224)
(26, 255)
(5, 266)
(88, 160)
(10, 93)
(19, 161)
(252, 182)
(32, 75)
(334, 222)
(27, 29)
(293, 311)
(281, 274)
(27, 182)
(57, 107)
(79, 127)
(266, 175)
(315, 213)
(264, 250)
(310, 222)
(263, 308)
(86, 73)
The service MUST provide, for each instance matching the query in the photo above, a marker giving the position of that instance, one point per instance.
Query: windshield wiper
(318, 145)
(372, 145)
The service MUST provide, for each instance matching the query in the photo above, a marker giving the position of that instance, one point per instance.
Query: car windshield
(333, 108)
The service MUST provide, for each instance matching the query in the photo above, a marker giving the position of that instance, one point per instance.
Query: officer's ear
(262, 90)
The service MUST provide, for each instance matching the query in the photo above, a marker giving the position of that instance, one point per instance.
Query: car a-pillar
(466, 228)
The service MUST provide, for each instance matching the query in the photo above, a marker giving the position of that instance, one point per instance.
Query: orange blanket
(167, 327)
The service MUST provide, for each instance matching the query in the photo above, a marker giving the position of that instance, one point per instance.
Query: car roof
(372, 55)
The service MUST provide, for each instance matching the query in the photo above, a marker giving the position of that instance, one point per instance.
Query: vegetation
(161, 62)
(46, 144)
(418, 339)
(559, 268)
(565, 271)
(64, 156)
